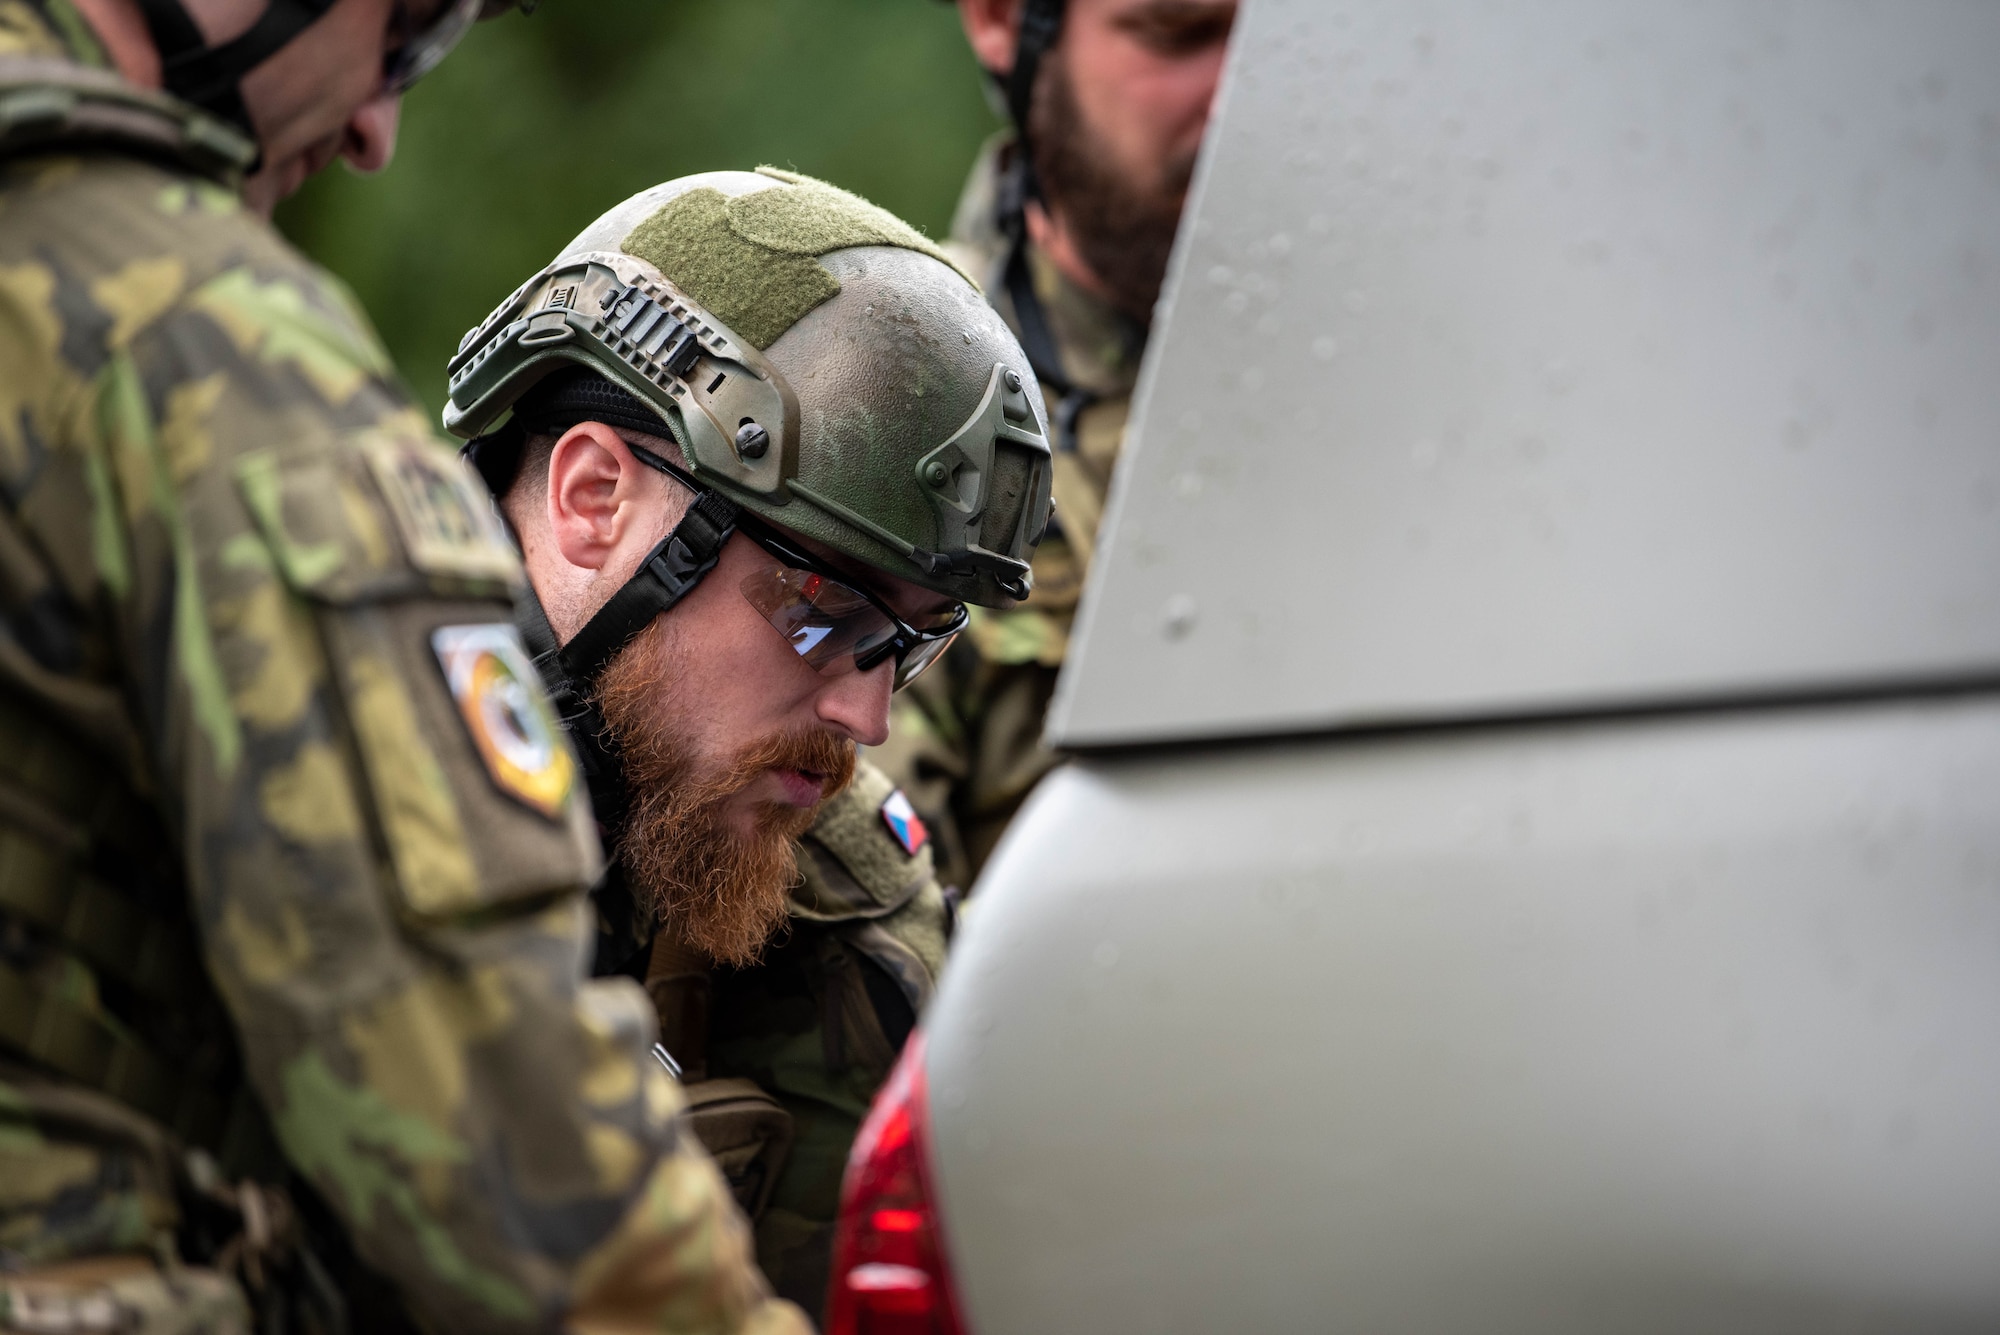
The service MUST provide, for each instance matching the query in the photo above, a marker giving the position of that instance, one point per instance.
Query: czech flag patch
(904, 823)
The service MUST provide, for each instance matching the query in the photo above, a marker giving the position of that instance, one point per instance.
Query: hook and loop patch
(500, 698)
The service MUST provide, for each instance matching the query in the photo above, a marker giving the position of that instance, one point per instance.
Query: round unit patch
(500, 697)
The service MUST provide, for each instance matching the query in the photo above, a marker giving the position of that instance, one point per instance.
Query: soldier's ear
(990, 29)
(605, 508)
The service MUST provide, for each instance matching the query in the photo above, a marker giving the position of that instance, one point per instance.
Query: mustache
(814, 752)
(723, 890)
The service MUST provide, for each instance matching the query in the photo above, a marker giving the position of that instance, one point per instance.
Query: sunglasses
(835, 626)
(415, 51)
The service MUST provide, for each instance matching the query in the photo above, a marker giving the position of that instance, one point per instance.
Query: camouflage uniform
(966, 738)
(263, 1002)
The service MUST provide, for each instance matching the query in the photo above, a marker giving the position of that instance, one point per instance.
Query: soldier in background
(1067, 221)
(759, 443)
(293, 856)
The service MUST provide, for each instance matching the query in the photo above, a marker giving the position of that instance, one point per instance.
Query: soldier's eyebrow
(1178, 27)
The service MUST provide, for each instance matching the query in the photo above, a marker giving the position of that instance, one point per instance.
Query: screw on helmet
(819, 363)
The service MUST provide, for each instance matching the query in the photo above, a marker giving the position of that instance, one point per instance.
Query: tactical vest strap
(53, 105)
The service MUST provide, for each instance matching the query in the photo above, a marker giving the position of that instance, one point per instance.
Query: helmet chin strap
(570, 671)
(668, 574)
(210, 77)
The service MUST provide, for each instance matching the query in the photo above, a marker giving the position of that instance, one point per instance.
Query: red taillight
(889, 1275)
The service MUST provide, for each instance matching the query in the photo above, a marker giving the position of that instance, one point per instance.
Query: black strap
(669, 571)
(1038, 340)
(210, 77)
(1041, 24)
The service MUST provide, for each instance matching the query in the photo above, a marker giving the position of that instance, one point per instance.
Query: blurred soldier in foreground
(293, 857)
(760, 444)
(1067, 221)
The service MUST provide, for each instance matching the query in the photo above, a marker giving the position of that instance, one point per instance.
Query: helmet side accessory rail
(738, 420)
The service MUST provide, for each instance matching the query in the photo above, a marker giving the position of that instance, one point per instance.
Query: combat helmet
(822, 366)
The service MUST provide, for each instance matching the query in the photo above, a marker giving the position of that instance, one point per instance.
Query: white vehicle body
(1533, 858)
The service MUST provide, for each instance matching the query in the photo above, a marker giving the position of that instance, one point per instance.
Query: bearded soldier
(760, 442)
(1067, 220)
(294, 1029)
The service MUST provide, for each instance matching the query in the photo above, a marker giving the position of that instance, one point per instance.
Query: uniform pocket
(393, 547)
(746, 1131)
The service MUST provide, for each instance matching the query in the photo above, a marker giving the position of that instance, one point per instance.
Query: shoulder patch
(903, 822)
(446, 522)
(500, 698)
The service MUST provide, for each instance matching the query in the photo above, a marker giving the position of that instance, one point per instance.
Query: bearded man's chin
(723, 892)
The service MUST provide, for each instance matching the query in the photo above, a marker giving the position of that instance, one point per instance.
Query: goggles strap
(670, 570)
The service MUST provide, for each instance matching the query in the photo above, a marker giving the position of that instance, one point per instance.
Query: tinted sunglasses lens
(920, 657)
(420, 53)
(826, 622)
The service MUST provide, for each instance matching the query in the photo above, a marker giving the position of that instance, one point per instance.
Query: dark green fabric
(752, 260)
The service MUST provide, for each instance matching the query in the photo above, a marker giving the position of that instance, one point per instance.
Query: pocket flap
(391, 516)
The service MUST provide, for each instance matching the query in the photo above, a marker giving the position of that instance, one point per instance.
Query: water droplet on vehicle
(1326, 347)
(1177, 617)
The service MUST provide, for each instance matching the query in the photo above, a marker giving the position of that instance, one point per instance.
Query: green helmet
(820, 363)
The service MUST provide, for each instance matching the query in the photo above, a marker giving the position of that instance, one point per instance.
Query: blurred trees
(537, 125)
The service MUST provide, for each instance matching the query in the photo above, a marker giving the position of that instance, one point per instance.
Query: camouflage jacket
(782, 1059)
(259, 693)
(966, 738)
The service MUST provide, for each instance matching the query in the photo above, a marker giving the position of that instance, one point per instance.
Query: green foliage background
(537, 125)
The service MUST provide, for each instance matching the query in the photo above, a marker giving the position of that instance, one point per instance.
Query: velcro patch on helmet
(751, 260)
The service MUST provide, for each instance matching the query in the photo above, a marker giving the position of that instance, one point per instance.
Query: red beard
(722, 891)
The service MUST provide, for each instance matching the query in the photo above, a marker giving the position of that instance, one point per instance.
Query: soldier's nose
(370, 138)
(857, 703)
